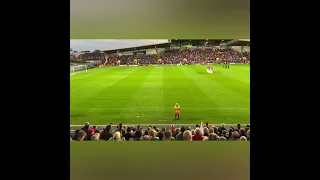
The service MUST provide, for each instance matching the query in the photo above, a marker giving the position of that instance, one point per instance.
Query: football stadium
(176, 90)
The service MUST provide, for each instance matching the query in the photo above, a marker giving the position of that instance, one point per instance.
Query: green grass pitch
(146, 95)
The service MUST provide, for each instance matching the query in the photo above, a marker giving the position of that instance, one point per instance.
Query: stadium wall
(218, 47)
(151, 51)
(241, 49)
(237, 48)
(246, 49)
(127, 53)
(161, 50)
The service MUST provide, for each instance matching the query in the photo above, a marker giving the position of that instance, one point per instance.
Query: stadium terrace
(202, 132)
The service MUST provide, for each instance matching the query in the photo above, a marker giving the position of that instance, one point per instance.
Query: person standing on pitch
(176, 111)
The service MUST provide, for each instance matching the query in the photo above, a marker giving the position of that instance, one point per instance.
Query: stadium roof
(197, 41)
(239, 42)
(215, 42)
(163, 45)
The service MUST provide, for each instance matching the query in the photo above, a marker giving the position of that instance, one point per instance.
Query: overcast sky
(110, 44)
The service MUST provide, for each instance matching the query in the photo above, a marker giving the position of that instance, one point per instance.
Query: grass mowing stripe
(203, 97)
(94, 74)
(183, 84)
(127, 88)
(150, 86)
(219, 95)
(92, 113)
(230, 83)
(174, 91)
(85, 76)
(239, 73)
(93, 78)
(214, 84)
(91, 92)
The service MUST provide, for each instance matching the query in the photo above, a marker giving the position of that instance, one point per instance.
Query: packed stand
(112, 61)
(202, 56)
(182, 56)
(184, 133)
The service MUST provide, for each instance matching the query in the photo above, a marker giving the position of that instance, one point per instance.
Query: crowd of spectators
(177, 56)
(184, 133)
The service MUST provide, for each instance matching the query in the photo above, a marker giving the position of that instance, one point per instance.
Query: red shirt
(91, 131)
(197, 137)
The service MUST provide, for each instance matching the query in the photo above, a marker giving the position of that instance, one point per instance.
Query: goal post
(74, 69)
